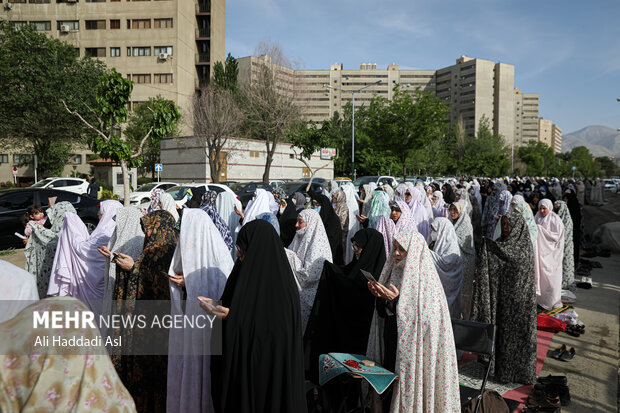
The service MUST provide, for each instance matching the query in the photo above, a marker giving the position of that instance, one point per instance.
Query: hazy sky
(566, 51)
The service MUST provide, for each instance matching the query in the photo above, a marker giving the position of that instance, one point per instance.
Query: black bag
(491, 402)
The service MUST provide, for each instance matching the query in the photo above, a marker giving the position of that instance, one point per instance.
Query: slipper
(586, 283)
(568, 355)
(573, 331)
(557, 353)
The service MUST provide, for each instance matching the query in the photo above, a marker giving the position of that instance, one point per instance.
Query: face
(458, 196)
(362, 193)
(505, 227)
(443, 190)
(396, 215)
(408, 197)
(315, 204)
(301, 224)
(357, 250)
(37, 215)
(435, 197)
(454, 212)
(99, 215)
(240, 254)
(544, 211)
(398, 252)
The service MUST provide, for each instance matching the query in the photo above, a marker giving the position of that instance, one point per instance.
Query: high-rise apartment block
(474, 88)
(166, 47)
(556, 138)
(545, 132)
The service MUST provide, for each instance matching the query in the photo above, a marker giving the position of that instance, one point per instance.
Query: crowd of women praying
(285, 277)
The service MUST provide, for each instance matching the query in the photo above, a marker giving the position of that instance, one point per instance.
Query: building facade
(185, 160)
(166, 47)
(545, 132)
(556, 138)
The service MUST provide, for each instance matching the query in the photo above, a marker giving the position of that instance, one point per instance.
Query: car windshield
(146, 187)
(365, 180)
(236, 186)
(177, 192)
(291, 187)
(42, 183)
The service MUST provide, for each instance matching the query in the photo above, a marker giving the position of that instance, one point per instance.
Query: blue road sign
(158, 167)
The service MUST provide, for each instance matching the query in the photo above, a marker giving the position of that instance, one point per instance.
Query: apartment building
(526, 117)
(556, 138)
(166, 47)
(545, 132)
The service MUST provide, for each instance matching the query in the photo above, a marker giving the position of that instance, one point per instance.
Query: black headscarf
(196, 200)
(261, 366)
(343, 306)
(449, 196)
(331, 222)
(287, 220)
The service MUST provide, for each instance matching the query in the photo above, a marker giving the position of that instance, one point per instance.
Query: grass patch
(6, 252)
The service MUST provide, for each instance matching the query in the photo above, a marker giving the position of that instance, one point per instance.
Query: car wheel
(145, 200)
(90, 226)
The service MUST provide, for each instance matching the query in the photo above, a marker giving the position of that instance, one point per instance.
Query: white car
(143, 193)
(610, 186)
(75, 185)
(180, 196)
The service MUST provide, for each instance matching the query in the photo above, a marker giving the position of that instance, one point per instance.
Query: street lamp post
(352, 92)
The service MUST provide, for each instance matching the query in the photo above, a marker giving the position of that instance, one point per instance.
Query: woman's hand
(381, 291)
(179, 280)
(104, 251)
(211, 307)
(239, 213)
(124, 262)
(26, 240)
(361, 218)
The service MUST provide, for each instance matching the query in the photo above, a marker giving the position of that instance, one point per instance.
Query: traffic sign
(328, 153)
(158, 167)
(15, 170)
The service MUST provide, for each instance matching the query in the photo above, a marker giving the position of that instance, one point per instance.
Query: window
(77, 160)
(115, 51)
(95, 1)
(119, 178)
(162, 49)
(305, 172)
(18, 25)
(162, 78)
(95, 24)
(137, 103)
(4, 158)
(142, 51)
(42, 26)
(162, 23)
(141, 78)
(140, 23)
(94, 51)
(115, 24)
(39, 1)
(254, 154)
(71, 24)
(129, 51)
(22, 159)
(16, 200)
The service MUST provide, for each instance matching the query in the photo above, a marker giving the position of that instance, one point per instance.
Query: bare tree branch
(75, 113)
(142, 142)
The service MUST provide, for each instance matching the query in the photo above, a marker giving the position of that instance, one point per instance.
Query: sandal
(557, 353)
(568, 355)
(573, 331)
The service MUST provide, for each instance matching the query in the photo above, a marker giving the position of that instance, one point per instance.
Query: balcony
(203, 33)
(203, 58)
(203, 6)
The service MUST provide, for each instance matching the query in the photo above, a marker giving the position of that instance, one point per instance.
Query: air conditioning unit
(8, 6)
(163, 56)
(65, 28)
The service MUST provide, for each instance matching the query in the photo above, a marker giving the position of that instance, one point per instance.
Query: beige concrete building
(166, 47)
(556, 138)
(526, 117)
(545, 132)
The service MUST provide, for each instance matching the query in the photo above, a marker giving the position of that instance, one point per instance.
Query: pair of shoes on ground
(549, 392)
(563, 353)
(575, 330)
(585, 283)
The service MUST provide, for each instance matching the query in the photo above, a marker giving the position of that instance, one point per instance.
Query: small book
(17, 234)
(368, 276)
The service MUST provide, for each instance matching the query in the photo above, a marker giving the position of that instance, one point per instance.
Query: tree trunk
(126, 191)
(215, 165)
(269, 160)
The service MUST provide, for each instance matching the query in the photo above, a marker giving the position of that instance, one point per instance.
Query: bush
(144, 180)
(105, 187)
(7, 185)
(105, 195)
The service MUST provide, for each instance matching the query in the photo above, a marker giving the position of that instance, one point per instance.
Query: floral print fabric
(426, 355)
(208, 205)
(568, 261)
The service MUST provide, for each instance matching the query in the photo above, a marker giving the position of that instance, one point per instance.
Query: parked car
(379, 180)
(180, 195)
(610, 186)
(143, 193)
(75, 185)
(245, 190)
(276, 184)
(14, 204)
(228, 183)
(300, 186)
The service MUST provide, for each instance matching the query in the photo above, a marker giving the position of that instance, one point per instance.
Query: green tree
(399, 126)
(538, 157)
(607, 166)
(485, 154)
(37, 74)
(581, 157)
(111, 112)
(225, 74)
(139, 122)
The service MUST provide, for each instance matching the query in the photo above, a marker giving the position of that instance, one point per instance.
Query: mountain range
(600, 140)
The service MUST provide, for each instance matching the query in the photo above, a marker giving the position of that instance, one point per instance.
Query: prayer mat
(335, 364)
(555, 311)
